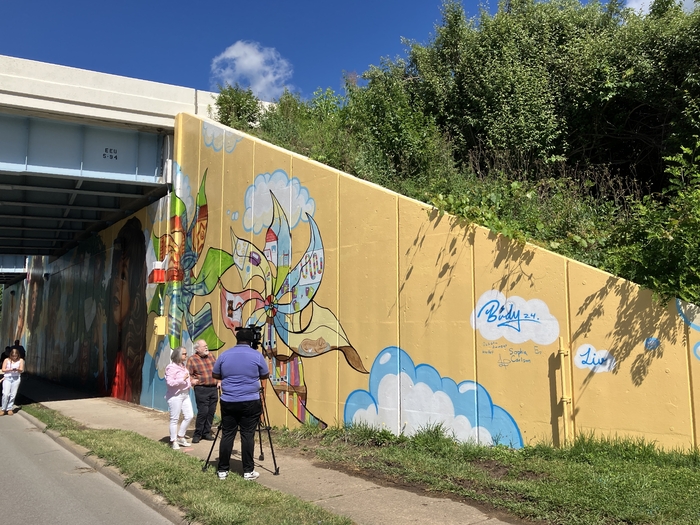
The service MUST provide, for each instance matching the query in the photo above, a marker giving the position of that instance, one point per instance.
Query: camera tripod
(263, 424)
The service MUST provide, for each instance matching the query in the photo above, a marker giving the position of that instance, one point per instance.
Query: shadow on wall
(511, 257)
(456, 243)
(555, 401)
(637, 317)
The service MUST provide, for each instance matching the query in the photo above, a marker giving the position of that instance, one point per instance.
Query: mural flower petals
(282, 302)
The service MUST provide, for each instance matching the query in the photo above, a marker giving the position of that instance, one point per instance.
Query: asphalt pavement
(363, 501)
(45, 483)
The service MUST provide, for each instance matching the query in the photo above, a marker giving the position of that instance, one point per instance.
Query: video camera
(250, 334)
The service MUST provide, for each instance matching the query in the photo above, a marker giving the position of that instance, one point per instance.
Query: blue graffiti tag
(651, 343)
(508, 318)
(589, 360)
(696, 350)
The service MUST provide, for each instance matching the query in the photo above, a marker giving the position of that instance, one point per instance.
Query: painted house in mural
(373, 307)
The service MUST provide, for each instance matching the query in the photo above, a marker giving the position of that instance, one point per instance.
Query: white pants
(179, 403)
(9, 392)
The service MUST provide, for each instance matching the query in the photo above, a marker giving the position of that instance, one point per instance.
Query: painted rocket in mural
(284, 307)
(178, 253)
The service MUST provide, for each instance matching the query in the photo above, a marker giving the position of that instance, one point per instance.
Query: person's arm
(21, 366)
(6, 365)
(216, 371)
(263, 368)
(176, 376)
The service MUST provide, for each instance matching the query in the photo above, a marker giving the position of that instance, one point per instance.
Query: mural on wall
(126, 324)
(179, 251)
(514, 318)
(406, 398)
(35, 305)
(65, 337)
(283, 305)
(690, 314)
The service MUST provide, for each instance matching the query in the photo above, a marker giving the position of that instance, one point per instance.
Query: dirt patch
(497, 470)
(377, 473)
(492, 468)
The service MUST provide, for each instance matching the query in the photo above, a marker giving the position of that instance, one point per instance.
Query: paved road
(44, 483)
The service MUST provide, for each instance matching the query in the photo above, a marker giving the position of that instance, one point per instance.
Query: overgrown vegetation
(594, 481)
(179, 479)
(573, 126)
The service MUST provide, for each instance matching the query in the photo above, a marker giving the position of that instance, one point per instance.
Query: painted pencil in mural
(180, 251)
(284, 307)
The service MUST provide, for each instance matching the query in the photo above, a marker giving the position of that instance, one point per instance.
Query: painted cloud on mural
(463, 409)
(514, 318)
(690, 314)
(183, 189)
(291, 195)
(217, 137)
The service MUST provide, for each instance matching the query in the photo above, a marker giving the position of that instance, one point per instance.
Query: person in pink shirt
(178, 396)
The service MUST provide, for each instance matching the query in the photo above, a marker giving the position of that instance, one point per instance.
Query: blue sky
(267, 44)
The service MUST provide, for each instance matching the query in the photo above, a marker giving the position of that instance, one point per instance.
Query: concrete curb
(154, 501)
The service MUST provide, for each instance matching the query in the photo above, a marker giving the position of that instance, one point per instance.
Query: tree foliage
(237, 107)
(570, 125)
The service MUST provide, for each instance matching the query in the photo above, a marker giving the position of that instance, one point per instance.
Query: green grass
(180, 480)
(595, 481)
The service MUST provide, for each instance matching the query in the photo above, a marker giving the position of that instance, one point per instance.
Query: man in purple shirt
(240, 370)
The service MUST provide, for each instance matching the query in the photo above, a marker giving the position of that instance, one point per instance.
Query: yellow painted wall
(499, 341)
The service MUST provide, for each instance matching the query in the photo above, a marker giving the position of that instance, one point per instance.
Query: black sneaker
(209, 437)
(195, 439)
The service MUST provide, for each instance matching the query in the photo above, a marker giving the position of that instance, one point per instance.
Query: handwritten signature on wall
(506, 315)
(595, 360)
(514, 318)
(509, 355)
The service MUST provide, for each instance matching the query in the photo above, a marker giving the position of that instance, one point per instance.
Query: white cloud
(250, 64)
(421, 408)
(639, 5)
(292, 196)
(217, 137)
(644, 5)
(405, 398)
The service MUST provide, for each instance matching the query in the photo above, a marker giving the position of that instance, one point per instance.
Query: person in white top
(13, 367)
(177, 379)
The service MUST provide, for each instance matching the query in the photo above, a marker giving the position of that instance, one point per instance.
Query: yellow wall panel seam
(691, 389)
(472, 253)
(337, 293)
(570, 358)
(398, 276)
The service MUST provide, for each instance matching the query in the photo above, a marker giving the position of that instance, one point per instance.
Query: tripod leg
(265, 419)
(272, 450)
(261, 457)
(206, 463)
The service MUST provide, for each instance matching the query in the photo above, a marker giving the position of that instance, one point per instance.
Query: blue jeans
(9, 392)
